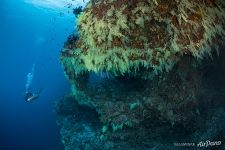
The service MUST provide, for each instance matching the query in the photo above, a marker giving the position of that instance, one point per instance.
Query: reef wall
(141, 65)
(126, 36)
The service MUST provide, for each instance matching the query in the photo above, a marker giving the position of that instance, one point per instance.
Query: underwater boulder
(140, 64)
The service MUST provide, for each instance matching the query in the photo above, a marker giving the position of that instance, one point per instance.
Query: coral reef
(128, 101)
(125, 37)
(140, 66)
(81, 130)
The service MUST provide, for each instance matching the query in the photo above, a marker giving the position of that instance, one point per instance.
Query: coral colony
(147, 59)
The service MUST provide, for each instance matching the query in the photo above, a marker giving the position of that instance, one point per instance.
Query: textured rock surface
(127, 36)
(123, 101)
(81, 130)
(143, 67)
(122, 42)
(187, 109)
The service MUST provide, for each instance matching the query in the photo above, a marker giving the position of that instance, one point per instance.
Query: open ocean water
(32, 33)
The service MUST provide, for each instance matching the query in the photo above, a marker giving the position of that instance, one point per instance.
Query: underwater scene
(112, 74)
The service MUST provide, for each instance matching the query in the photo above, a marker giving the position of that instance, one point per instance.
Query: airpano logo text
(208, 143)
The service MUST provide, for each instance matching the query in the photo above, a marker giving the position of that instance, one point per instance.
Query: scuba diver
(30, 96)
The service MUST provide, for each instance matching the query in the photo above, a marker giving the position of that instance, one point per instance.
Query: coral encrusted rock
(129, 36)
(141, 63)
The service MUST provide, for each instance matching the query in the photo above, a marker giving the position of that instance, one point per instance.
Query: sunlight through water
(57, 4)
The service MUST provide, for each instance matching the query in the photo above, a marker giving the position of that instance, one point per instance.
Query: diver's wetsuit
(29, 96)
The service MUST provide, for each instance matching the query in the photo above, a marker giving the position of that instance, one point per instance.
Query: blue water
(31, 35)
